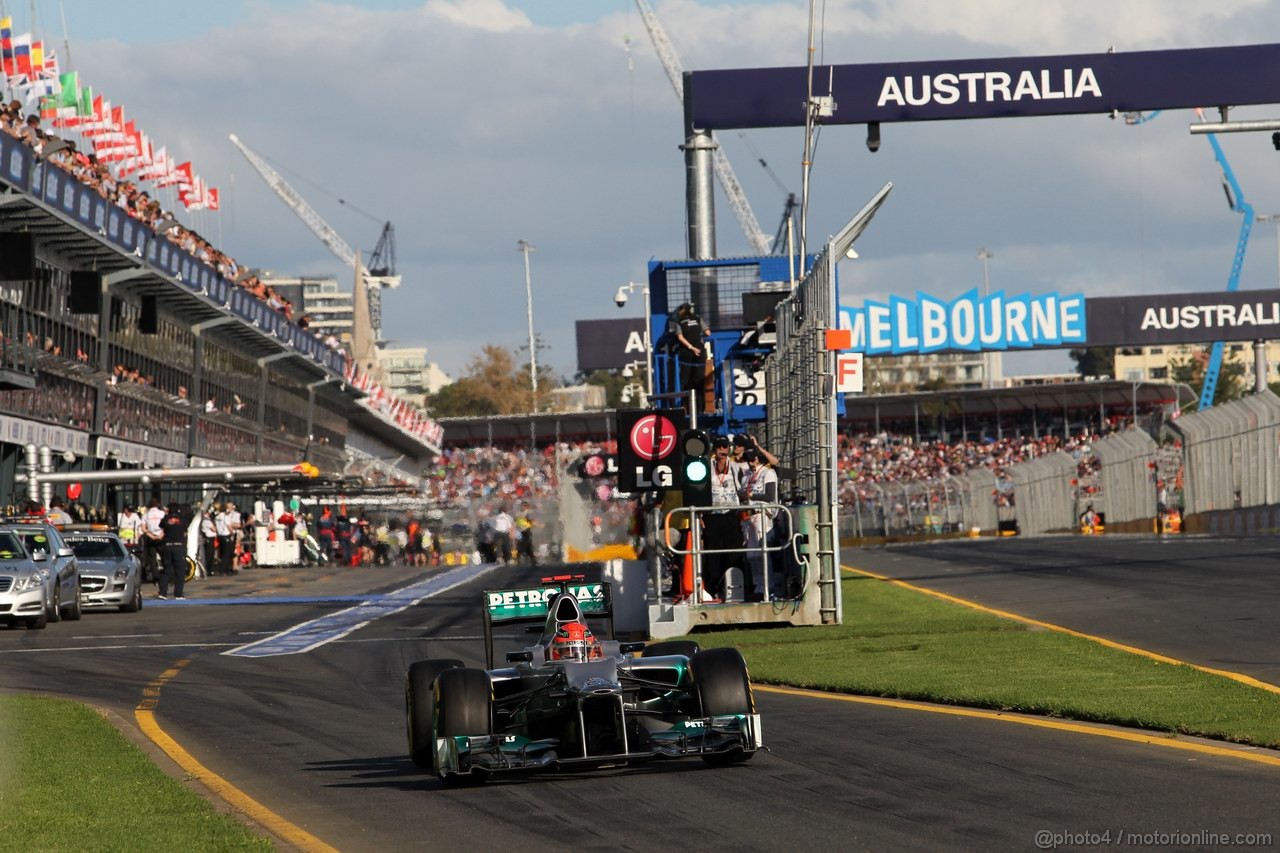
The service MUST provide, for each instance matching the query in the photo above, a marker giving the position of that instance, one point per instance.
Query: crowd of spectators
(140, 205)
(869, 462)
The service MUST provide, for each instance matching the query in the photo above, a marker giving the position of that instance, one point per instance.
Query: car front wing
(463, 755)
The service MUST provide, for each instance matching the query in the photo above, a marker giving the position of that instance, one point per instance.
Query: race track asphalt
(319, 738)
(1209, 601)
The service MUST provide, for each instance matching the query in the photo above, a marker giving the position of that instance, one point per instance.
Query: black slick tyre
(723, 686)
(463, 706)
(688, 648)
(418, 702)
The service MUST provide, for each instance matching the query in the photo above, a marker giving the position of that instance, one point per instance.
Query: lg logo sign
(644, 457)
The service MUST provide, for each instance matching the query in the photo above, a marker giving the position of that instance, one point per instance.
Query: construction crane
(724, 172)
(381, 272)
(1237, 203)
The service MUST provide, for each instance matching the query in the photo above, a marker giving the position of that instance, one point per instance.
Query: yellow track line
(1038, 722)
(1026, 620)
(263, 816)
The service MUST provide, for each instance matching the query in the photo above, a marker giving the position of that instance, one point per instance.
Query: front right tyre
(463, 705)
(723, 686)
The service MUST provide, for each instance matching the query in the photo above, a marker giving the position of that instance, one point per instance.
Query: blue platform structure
(733, 296)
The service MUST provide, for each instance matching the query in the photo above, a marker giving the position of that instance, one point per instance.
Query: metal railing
(761, 512)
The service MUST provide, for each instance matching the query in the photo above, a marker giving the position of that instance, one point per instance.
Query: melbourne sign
(998, 322)
(991, 88)
(970, 322)
(648, 459)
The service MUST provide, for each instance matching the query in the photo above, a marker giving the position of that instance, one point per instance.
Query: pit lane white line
(112, 636)
(314, 633)
(221, 645)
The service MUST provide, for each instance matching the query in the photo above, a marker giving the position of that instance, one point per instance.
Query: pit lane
(318, 738)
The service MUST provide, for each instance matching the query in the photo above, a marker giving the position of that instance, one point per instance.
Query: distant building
(409, 375)
(328, 309)
(1140, 364)
(892, 374)
(1038, 379)
(576, 398)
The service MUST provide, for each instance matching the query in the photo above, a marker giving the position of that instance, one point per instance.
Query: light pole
(990, 361)
(525, 247)
(1274, 217)
(620, 298)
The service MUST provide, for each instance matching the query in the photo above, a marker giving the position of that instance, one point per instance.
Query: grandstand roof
(545, 427)
(1108, 394)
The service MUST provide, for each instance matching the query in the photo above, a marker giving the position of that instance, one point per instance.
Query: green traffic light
(696, 470)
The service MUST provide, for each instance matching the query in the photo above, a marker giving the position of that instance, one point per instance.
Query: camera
(620, 297)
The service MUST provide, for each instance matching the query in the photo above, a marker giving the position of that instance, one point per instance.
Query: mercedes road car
(110, 576)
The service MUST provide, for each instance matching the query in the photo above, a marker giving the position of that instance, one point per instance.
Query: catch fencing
(1231, 455)
(1127, 462)
(924, 508)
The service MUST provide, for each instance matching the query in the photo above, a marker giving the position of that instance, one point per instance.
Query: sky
(471, 124)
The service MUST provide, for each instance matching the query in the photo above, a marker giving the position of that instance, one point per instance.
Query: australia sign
(991, 88)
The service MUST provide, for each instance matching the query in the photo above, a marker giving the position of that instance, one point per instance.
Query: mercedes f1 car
(572, 700)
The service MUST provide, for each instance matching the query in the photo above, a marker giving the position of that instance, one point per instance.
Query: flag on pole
(211, 197)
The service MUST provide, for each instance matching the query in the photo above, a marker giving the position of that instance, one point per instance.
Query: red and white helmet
(574, 641)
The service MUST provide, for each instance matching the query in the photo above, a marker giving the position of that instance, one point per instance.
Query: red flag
(212, 198)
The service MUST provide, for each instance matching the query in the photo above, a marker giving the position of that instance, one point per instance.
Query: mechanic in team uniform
(173, 552)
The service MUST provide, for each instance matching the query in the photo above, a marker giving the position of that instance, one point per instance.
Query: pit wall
(1253, 521)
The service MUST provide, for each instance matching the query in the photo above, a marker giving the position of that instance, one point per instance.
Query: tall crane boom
(341, 250)
(724, 172)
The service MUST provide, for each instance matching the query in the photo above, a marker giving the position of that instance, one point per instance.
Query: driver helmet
(575, 642)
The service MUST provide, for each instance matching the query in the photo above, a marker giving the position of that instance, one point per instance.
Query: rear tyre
(417, 707)
(463, 706)
(723, 686)
(74, 612)
(688, 648)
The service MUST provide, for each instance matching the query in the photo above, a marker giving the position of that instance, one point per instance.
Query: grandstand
(129, 341)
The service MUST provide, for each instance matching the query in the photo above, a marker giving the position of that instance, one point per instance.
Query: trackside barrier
(979, 509)
(779, 514)
(1127, 479)
(1044, 496)
(1230, 455)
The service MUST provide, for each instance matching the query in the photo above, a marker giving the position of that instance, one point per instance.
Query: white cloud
(470, 127)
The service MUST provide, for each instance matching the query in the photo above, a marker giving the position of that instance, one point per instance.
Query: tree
(1191, 369)
(492, 384)
(1094, 361)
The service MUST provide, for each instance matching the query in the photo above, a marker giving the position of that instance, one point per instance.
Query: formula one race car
(572, 700)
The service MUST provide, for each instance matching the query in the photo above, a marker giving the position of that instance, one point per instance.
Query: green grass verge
(903, 644)
(70, 781)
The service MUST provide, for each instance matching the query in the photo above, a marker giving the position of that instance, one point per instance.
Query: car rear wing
(530, 605)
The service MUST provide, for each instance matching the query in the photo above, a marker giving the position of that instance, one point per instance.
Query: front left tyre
(723, 687)
(418, 700)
